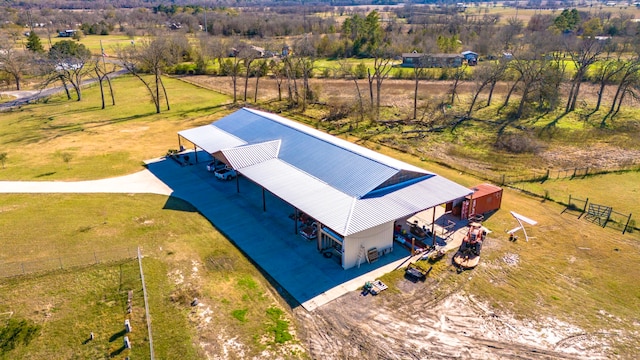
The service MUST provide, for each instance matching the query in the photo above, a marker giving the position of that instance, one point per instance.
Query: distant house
(259, 51)
(66, 33)
(470, 57)
(431, 60)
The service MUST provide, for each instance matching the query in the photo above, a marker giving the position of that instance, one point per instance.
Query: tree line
(549, 58)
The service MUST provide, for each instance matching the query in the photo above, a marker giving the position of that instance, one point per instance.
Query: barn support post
(433, 227)
(195, 152)
(626, 225)
(237, 184)
(264, 201)
(295, 220)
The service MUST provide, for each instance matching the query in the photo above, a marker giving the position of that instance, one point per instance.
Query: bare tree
(486, 74)
(348, 72)
(626, 79)
(418, 73)
(248, 54)
(305, 58)
(67, 64)
(13, 61)
(604, 75)
(277, 72)
(583, 53)
(232, 67)
(102, 73)
(151, 56)
(261, 70)
(382, 65)
(458, 76)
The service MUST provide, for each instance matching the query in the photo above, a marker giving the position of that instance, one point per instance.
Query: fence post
(608, 217)
(574, 172)
(569, 200)
(60, 259)
(503, 179)
(586, 172)
(22, 265)
(627, 224)
(95, 257)
(584, 208)
(146, 304)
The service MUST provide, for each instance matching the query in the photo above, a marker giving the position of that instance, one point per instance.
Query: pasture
(182, 253)
(100, 143)
(571, 270)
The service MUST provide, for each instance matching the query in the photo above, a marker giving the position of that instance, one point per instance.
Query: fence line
(19, 268)
(146, 305)
(569, 173)
(601, 214)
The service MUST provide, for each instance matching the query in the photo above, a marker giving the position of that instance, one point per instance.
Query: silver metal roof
(344, 186)
(210, 138)
(243, 156)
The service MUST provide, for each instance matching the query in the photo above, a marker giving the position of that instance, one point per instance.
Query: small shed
(470, 57)
(485, 198)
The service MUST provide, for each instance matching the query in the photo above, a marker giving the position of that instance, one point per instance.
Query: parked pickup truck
(225, 174)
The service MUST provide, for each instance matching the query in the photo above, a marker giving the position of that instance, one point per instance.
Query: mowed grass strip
(100, 143)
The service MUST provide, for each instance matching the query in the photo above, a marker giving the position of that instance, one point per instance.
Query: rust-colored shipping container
(485, 198)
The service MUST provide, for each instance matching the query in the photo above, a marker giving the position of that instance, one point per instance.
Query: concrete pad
(268, 237)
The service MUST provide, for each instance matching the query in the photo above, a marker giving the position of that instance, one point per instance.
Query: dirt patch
(415, 325)
(598, 156)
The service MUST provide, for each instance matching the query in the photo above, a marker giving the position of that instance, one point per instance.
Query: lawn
(571, 269)
(71, 304)
(100, 143)
(185, 257)
(95, 43)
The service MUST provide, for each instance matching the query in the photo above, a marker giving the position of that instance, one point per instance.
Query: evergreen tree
(34, 44)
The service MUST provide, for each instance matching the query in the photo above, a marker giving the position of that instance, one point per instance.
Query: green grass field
(102, 143)
(175, 240)
(571, 269)
(70, 304)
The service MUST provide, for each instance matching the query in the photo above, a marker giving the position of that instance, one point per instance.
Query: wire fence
(601, 215)
(146, 305)
(66, 261)
(527, 183)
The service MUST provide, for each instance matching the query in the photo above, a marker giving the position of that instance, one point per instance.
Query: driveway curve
(142, 182)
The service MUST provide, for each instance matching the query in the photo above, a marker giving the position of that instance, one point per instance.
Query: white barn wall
(380, 237)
